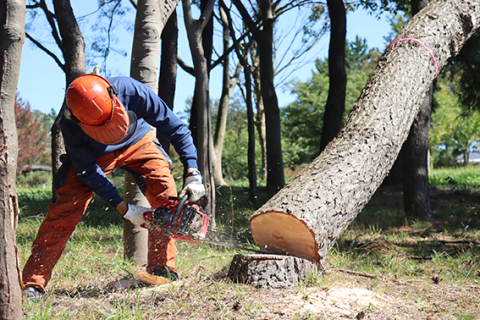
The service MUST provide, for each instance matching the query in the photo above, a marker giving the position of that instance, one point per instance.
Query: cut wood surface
(306, 217)
(270, 271)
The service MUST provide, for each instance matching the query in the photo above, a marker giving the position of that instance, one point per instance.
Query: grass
(382, 265)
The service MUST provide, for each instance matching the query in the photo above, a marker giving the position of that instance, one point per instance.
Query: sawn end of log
(281, 233)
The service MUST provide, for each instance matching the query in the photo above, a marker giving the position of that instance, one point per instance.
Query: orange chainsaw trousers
(63, 215)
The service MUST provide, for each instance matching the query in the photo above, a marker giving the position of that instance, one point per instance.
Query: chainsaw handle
(176, 215)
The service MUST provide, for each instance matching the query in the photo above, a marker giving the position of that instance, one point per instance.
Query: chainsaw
(186, 221)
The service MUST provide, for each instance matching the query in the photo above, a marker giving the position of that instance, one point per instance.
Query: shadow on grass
(382, 228)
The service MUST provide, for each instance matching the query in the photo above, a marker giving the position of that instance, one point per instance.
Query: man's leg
(146, 159)
(62, 217)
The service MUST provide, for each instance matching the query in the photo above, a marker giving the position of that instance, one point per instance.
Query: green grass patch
(430, 268)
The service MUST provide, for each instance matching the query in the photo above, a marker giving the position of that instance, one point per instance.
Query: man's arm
(84, 163)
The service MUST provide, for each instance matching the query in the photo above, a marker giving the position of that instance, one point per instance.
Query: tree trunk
(252, 168)
(168, 68)
(260, 117)
(466, 158)
(205, 138)
(206, 8)
(58, 147)
(415, 152)
(12, 36)
(221, 124)
(306, 217)
(73, 51)
(275, 173)
(149, 23)
(415, 158)
(335, 106)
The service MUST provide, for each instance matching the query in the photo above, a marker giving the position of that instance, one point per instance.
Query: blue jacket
(150, 110)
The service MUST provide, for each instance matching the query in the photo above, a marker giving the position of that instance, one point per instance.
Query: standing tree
(12, 36)
(204, 141)
(168, 67)
(228, 83)
(149, 23)
(306, 217)
(335, 107)
(416, 199)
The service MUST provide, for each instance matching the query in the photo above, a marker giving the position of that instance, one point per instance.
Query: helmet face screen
(93, 101)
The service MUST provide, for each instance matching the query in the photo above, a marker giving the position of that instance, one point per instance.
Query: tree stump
(270, 271)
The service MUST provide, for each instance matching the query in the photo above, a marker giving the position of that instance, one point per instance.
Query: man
(107, 126)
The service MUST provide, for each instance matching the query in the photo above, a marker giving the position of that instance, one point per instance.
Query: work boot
(31, 293)
(165, 272)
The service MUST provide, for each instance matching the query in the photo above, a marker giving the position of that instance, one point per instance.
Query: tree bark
(149, 23)
(168, 68)
(73, 51)
(205, 138)
(416, 198)
(306, 217)
(415, 160)
(270, 271)
(260, 117)
(12, 37)
(227, 88)
(275, 173)
(335, 106)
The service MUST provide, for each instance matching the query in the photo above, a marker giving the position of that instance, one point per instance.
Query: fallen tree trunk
(307, 216)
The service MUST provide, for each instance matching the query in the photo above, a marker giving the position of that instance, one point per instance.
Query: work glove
(135, 214)
(193, 186)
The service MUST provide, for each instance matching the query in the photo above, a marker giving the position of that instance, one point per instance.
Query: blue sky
(42, 83)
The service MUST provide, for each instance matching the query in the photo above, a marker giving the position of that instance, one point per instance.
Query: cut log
(306, 217)
(269, 271)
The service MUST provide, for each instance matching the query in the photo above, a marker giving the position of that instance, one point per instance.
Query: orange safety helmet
(95, 107)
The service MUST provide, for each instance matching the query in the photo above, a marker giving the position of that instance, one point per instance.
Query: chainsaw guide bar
(187, 221)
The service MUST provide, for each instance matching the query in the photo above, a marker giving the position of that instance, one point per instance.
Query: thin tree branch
(227, 52)
(51, 21)
(289, 6)
(251, 25)
(185, 67)
(33, 6)
(109, 35)
(51, 54)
